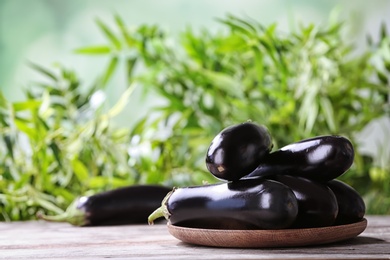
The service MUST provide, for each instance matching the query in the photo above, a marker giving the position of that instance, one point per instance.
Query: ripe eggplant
(351, 204)
(238, 150)
(126, 205)
(317, 205)
(246, 204)
(321, 158)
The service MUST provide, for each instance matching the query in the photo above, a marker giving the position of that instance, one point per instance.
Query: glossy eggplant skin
(121, 206)
(321, 158)
(248, 204)
(317, 205)
(127, 205)
(351, 205)
(237, 150)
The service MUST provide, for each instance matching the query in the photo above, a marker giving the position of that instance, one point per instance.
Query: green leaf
(56, 152)
(45, 109)
(311, 118)
(259, 63)
(94, 50)
(223, 82)
(382, 77)
(244, 23)
(80, 170)
(109, 71)
(9, 142)
(383, 31)
(239, 25)
(22, 126)
(43, 123)
(130, 68)
(269, 47)
(26, 105)
(64, 193)
(43, 71)
(334, 29)
(232, 43)
(121, 104)
(130, 42)
(387, 65)
(3, 101)
(327, 108)
(98, 182)
(109, 34)
(121, 134)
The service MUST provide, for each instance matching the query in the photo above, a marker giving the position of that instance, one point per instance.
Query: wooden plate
(267, 238)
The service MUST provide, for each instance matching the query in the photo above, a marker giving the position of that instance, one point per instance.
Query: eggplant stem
(72, 215)
(161, 211)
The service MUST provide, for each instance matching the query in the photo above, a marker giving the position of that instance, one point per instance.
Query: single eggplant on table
(321, 158)
(317, 205)
(126, 205)
(246, 204)
(237, 150)
(351, 204)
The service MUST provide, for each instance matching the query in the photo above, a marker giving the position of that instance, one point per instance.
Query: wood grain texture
(267, 238)
(44, 240)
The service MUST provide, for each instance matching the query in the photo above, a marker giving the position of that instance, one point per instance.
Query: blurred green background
(197, 67)
(47, 31)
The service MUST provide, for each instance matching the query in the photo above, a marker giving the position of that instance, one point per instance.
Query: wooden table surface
(44, 240)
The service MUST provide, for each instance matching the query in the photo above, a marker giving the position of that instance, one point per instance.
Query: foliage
(57, 145)
(299, 84)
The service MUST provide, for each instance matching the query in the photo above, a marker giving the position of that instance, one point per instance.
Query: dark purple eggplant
(126, 205)
(321, 158)
(238, 150)
(351, 204)
(246, 204)
(317, 205)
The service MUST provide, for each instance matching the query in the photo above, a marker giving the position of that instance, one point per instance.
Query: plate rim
(267, 238)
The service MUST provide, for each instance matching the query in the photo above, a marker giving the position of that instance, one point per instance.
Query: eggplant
(246, 204)
(351, 204)
(321, 158)
(126, 205)
(237, 150)
(317, 205)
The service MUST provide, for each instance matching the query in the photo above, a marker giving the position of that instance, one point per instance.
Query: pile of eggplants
(292, 187)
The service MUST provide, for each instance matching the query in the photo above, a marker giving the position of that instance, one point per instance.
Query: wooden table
(43, 240)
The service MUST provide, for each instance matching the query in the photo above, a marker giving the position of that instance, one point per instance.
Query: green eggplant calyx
(161, 211)
(73, 215)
